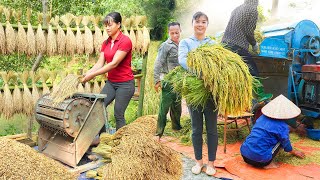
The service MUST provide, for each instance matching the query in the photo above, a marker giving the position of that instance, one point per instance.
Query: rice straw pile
(10, 33)
(2, 35)
(17, 96)
(67, 87)
(44, 76)
(88, 38)
(224, 75)
(70, 38)
(148, 158)
(7, 99)
(133, 39)
(26, 96)
(22, 43)
(19, 161)
(97, 38)
(35, 93)
(61, 37)
(51, 39)
(31, 39)
(79, 36)
(41, 45)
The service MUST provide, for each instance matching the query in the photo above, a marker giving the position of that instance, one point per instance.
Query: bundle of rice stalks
(17, 95)
(139, 42)
(103, 82)
(79, 37)
(8, 108)
(98, 38)
(53, 76)
(26, 96)
(51, 38)
(2, 35)
(87, 87)
(70, 38)
(143, 20)
(133, 39)
(35, 92)
(146, 40)
(105, 35)
(44, 76)
(88, 38)
(41, 44)
(31, 39)
(139, 20)
(126, 22)
(258, 35)
(81, 88)
(125, 31)
(225, 75)
(1, 99)
(10, 33)
(147, 157)
(19, 161)
(61, 37)
(22, 43)
(96, 87)
(67, 87)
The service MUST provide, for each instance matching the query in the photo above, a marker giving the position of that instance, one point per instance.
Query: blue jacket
(265, 134)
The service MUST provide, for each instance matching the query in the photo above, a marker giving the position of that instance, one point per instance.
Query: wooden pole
(143, 81)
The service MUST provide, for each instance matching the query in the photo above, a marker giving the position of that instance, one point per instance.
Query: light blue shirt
(188, 44)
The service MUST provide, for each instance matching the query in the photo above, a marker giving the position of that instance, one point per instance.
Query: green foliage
(15, 62)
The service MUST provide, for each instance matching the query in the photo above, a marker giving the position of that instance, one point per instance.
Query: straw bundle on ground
(67, 87)
(19, 161)
(96, 87)
(26, 96)
(88, 38)
(22, 43)
(51, 39)
(44, 76)
(2, 35)
(31, 39)
(87, 87)
(79, 37)
(146, 40)
(10, 33)
(61, 37)
(133, 39)
(41, 44)
(148, 158)
(17, 96)
(70, 38)
(8, 108)
(35, 92)
(97, 38)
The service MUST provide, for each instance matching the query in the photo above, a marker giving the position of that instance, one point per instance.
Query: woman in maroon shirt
(115, 60)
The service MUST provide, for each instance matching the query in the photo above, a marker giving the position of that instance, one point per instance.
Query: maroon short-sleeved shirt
(122, 72)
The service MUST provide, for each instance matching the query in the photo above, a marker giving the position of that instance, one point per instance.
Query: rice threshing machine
(290, 57)
(68, 128)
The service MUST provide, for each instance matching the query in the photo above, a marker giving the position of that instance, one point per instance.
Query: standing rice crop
(26, 96)
(133, 39)
(2, 35)
(67, 87)
(79, 36)
(8, 108)
(17, 95)
(44, 76)
(10, 33)
(41, 44)
(51, 39)
(88, 38)
(35, 92)
(22, 43)
(31, 39)
(98, 38)
(70, 38)
(61, 37)
(146, 40)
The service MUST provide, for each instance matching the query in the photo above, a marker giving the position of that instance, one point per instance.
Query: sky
(219, 13)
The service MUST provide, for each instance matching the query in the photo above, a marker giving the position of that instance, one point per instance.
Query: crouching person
(270, 133)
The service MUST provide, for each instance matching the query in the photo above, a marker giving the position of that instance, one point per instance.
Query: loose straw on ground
(8, 108)
(22, 43)
(88, 38)
(26, 96)
(79, 36)
(51, 39)
(41, 44)
(97, 38)
(70, 38)
(17, 95)
(10, 33)
(2, 35)
(67, 87)
(31, 39)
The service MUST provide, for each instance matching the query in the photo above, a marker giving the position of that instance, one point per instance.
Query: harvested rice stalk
(81, 88)
(79, 37)
(2, 36)
(70, 38)
(133, 39)
(10, 33)
(31, 39)
(139, 42)
(17, 95)
(125, 31)
(22, 43)
(35, 92)
(51, 39)
(143, 20)
(96, 87)
(1, 99)
(126, 21)
(98, 38)
(137, 21)
(41, 45)
(53, 76)
(26, 96)
(8, 108)
(87, 87)
(105, 34)
(66, 88)
(19, 161)
(44, 76)
(146, 40)
(61, 37)
(88, 38)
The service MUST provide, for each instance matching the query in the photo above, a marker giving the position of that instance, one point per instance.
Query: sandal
(210, 171)
(196, 169)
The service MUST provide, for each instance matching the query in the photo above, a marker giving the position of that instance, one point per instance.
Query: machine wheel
(313, 43)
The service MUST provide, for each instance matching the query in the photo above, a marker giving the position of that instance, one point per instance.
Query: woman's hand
(299, 154)
(87, 77)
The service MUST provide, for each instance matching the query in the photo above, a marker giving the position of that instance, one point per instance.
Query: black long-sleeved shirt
(241, 26)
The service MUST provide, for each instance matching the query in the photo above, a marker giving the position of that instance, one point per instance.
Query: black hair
(173, 24)
(113, 17)
(198, 14)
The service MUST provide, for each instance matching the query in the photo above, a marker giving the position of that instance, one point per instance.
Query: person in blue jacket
(270, 133)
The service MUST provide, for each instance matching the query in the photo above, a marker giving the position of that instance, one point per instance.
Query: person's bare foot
(272, 165)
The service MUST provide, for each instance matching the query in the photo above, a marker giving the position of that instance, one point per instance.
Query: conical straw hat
(281, 108)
